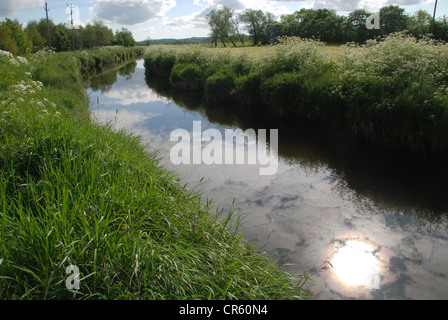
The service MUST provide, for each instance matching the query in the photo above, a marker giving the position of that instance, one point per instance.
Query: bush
(247, 88)
(220, 86)
(395, 92)
(292, 93)
(186, 77)
(293, 54)
(282, 91)
(160, 65)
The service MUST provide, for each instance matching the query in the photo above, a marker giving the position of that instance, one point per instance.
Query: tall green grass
(76, 193)
(391, 91)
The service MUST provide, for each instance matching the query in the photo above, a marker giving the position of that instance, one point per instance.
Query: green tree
(237, 24)
(221, 25)
(7, 43)
(24, 45)
(124, 38)
(32, 32)
(104, 36)
(62, 40)
(290, 24)
(321, 24)
(441, 29)
(79, 38)
(146, 42)
(36, 38)
(392, 19)
(273, 31)
(420, 23)
(355, 28)
(257, 24)
(89, 36)
(43, 30)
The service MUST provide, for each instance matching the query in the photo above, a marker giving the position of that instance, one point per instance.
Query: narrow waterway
(362, 223)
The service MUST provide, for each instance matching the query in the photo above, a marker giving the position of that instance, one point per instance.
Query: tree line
(322, 24)
(37, 35)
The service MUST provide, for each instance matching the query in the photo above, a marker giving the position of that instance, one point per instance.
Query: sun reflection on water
(355, 264)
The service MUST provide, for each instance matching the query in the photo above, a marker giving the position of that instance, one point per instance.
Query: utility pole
(48, 24)
(73, 27)
(433, 18)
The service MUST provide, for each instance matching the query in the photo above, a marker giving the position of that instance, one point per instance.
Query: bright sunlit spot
(356, 265)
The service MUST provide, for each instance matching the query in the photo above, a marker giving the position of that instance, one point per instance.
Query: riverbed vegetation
(391, 91)
(74, 193)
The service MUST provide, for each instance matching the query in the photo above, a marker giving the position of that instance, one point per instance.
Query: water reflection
(105, 81)
(354, 268)
(391, 179)
(363, 222)
(355, 264)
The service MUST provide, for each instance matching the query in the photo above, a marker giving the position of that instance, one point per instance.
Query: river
(362, 222)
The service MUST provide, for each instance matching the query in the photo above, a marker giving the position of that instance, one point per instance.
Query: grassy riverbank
(392, 92)
(76, 193)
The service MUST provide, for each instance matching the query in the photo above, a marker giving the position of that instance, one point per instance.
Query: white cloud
(232, 4)
(350, 5)
(123, 119)
(339, 5)
(149, 29)
(197, 20)
(192, 21)
(401, 3)
(124, 95)
(131, 12)
(273, 6)
(9, 7)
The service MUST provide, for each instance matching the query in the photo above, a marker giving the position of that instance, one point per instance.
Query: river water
(363, 223)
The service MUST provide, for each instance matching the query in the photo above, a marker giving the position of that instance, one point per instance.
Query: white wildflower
(19, 87)
(14, 62)
(6, 54)
(22, 60)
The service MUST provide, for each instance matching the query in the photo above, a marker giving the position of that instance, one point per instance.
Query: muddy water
(364, 223)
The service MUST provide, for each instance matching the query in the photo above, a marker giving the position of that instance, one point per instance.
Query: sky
(157, 19)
